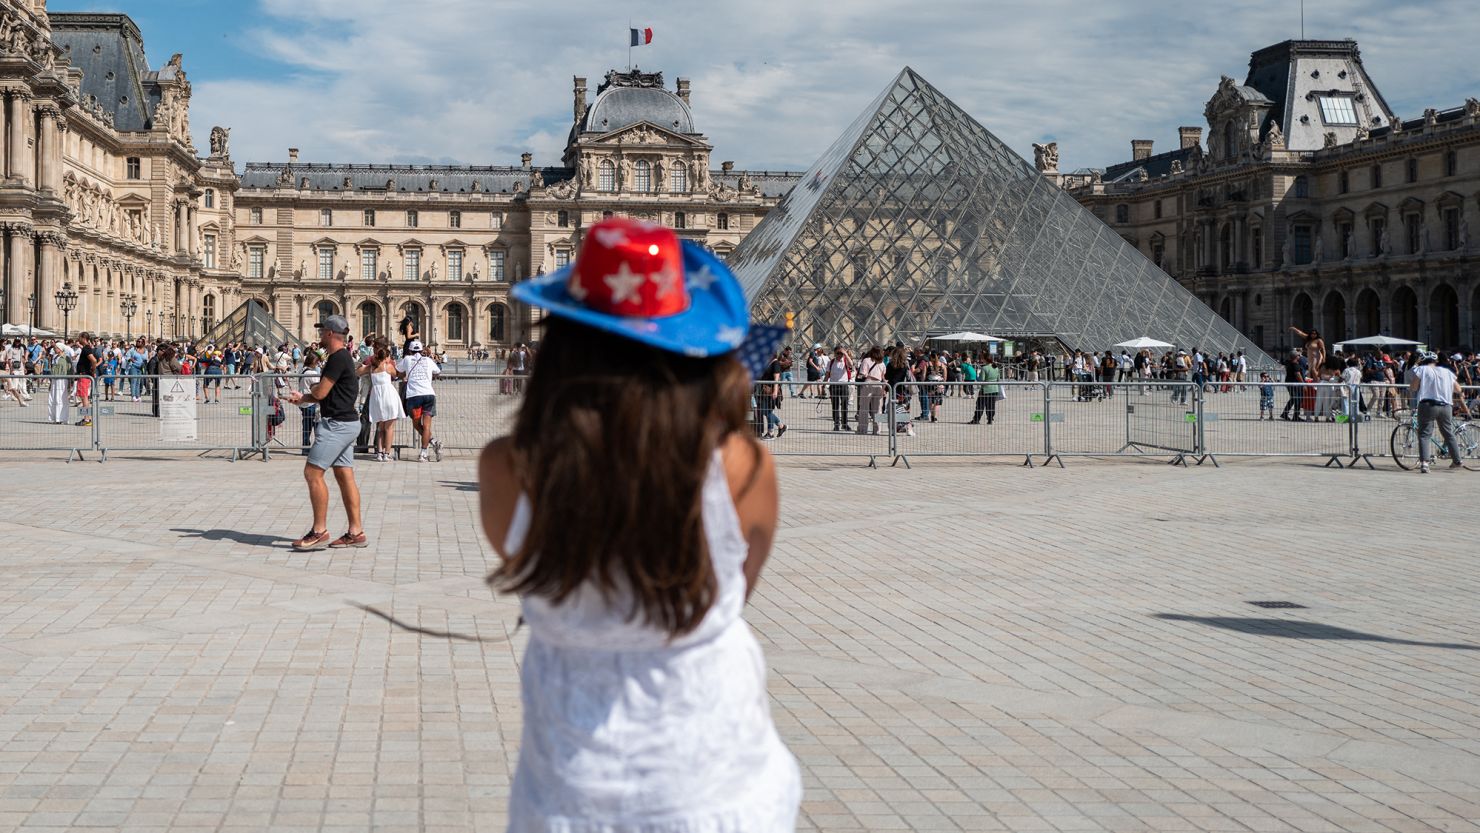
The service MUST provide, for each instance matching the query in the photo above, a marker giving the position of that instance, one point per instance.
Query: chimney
(580, 107)
(726, 167)
(292, 154)
(683, 89)
(1140, 149)
(525, 160)
(1191, 136)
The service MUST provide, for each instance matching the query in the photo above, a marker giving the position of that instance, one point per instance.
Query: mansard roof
(628, 98)
(1156, 166)
(110, 52)
(408, 178)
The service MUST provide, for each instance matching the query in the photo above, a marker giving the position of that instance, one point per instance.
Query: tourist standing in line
(1435, 388)
(86, 366)
(644, 695)
(334, 442)
(385, 400)
(817, 364)
(769, 399)
(133, 367)
(15, 373)
(988, 392)
(1294, 385)
(421, 399)
(58, 367)
(838, 373)
(872, 394)
(312, 372)
(518, 366)
(786, 372)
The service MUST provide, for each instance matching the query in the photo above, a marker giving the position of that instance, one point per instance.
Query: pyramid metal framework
(919, 222)
(250, 324)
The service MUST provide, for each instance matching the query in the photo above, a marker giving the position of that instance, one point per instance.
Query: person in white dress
(385, 400)
(633, 511)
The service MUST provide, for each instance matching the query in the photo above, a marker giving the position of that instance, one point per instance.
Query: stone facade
(443, 243)
(1312, 205)
(102, 189)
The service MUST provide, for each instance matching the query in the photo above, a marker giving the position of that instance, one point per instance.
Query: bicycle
(1404, 442)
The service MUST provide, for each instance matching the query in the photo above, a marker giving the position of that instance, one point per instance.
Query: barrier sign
(178, 422)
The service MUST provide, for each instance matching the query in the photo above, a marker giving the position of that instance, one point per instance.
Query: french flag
(641, 36)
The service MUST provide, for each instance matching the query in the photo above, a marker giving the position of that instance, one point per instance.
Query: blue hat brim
(716, 322)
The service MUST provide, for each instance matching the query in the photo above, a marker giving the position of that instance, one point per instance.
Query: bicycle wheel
(1468, 437)
(1404, 445)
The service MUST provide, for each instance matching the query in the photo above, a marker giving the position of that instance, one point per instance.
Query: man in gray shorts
(334, 443)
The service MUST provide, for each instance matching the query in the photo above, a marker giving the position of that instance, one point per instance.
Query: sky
(774, 81)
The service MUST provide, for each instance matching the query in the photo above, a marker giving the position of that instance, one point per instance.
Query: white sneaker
(437, 449)
(910, 431)
(1423, 468)
(422, 458)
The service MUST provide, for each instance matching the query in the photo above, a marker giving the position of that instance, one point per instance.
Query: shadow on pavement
(1295, 629)
(461, 486)
(253, 538)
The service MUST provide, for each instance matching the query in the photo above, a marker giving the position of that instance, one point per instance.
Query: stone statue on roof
(1276, 136)
(220, 137)
(1046, 157)
(536, 179)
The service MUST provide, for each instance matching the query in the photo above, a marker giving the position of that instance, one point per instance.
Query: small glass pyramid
(250, 324)
(919, 222)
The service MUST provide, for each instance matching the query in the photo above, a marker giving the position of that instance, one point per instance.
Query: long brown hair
(611, 446)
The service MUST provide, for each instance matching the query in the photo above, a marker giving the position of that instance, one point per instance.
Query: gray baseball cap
(334, 324)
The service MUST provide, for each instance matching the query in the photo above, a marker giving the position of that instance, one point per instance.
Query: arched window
(417, 314)
(369, 319)
(497, 321)
(210, 198)
(642, 177)
(456, 318)
(324, 309)
(606, 176)
(678, 179)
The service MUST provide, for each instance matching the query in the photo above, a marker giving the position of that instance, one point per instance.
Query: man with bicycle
(1435, 388)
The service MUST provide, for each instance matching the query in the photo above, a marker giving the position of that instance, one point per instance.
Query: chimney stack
(683, 89)
(292, 154)
(1140, 149)
(727, 166)
(526, 159)
(1191, 136)
(580, 107)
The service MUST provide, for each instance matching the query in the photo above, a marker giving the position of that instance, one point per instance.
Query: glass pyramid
(250, 324)
(919, 222)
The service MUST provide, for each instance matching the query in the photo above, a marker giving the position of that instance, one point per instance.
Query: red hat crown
(630, 268)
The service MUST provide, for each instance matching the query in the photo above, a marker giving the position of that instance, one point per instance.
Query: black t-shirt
(88, 361)
(1292, 370)
(339, 405)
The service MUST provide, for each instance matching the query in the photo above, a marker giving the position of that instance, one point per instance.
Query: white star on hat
(666, 279)
(610, 237)
(624, 284)
(702, 279)
(731, 335)
(575, 289)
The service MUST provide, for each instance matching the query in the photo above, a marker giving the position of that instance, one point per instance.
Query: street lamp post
(66, 302)
(149, 322)
(31, 315)
(128, 307)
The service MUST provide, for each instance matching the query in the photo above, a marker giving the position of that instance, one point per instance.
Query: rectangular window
(326, 264)
(370, 217)
(368, 265)
(1302, 247)
(1378, 227)
(1258, 239)
(1157, 209)
(1343, 182)
(1122, 214)
(1344, 232)
(1376, 176)
(411, 219)
(1451, 228)
(255, 216)
(1414, 229)
(455, 265)
(562, 218)
(413, 264)
(1412, 170)
(562, 259)
(496, 266)
(1338, 109)
(680, 220)
(496, 220)
(722, 221)
(135, 170)
(256, 258)
(209, 246)
(454, 219)
(326, 217)
(1451, 163)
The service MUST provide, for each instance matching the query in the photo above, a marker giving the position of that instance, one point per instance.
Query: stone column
(48, 281)
(15, 276)
(20, 109)
(180, 232)
(46, 156)
(191, 233)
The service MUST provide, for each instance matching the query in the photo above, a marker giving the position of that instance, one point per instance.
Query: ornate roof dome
(626, 98)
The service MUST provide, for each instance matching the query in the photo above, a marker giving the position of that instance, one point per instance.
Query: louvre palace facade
(1311, 203)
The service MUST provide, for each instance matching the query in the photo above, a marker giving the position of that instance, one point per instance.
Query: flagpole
(629, 44)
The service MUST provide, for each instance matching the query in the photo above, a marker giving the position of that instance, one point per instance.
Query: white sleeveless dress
(385, 400)
(625, 732)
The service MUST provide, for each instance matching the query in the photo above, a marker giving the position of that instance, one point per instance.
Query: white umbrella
(965, 337)
(1378, 341)
(1143, 341)
(14, 330)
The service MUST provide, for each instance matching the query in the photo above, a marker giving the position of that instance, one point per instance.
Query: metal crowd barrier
(1278, 419)
(851, 419)
(223, 408)
(972, 419)
(47, 422)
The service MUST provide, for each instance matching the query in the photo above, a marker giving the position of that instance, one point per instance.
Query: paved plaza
(954, 647)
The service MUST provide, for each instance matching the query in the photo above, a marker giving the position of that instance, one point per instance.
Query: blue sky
(479, 81)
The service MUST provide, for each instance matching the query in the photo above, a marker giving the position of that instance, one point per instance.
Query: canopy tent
(1143, 342)
(965, 337)
(1378, 341)
(23, 331)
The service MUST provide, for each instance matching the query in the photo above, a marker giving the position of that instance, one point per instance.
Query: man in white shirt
(421, 399)
(1435, 388)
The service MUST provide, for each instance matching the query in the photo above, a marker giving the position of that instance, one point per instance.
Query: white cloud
(774, 82)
